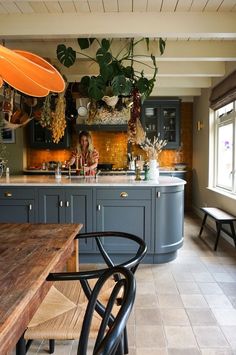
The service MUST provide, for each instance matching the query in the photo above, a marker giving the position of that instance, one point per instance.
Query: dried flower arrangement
(154, 148)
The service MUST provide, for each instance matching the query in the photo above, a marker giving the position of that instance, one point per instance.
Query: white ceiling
(201, 34)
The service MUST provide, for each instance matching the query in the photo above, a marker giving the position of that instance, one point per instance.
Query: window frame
(219, 121)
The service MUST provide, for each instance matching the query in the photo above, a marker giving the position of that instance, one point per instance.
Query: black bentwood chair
(61, 313)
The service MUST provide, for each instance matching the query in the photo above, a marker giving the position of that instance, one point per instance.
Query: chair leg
(51, 346)
(21, 346)
(218, 228)
(126, 346)
(203, 223)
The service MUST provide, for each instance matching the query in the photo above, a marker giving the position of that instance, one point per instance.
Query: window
(224, 154)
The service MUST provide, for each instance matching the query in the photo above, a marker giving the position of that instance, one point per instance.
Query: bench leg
(203, 223)
(233, 232)
(218, 228)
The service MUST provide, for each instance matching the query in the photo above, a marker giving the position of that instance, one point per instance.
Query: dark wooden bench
(221, 217)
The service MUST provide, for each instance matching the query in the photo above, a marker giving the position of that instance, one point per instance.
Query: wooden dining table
(28, 253)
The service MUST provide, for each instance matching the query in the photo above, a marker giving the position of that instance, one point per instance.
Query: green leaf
(117, 68)
(96, 88)
(65, 55)
(103, 57)
(105, 44)
(162, 45)
(128, 72)
(147, 42)
(154, 60)
(84, 85)
(143, 85)
(107, 72)
(85, 43)
(121, 86)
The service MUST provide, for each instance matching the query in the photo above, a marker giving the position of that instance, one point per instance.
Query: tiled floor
(184, 307)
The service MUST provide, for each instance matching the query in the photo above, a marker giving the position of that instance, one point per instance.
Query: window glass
(225, 156)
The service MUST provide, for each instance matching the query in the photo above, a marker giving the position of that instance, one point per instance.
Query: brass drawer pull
(7, 194)
(124, 194)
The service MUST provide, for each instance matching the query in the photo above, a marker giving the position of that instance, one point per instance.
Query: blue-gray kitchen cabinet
(17, 205)
(169, 227)
(67, 205)
(124, 210)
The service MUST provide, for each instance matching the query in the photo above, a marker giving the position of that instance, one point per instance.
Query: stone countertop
(124, 180)
(104, 172)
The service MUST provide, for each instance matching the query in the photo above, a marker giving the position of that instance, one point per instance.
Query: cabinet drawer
(16, 193)
(124, 194)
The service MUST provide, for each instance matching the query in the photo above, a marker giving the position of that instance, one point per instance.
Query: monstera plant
(117, 73)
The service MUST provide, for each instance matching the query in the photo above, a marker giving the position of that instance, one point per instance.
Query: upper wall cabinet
(162, 117)
(42, 137)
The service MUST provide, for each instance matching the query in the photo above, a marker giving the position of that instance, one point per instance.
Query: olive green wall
(201, 195)
(15, 152)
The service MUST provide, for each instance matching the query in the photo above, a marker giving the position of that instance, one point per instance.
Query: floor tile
(229, 288)
(210, 288)
(151, 351)
(145, 316)
(194, 301)
(223, 277)
(188, 288)
(174, 316)
(146, 301)
(218, 301)
(190, 351)
(166, 287)
(203, 277)
(225, 316)
(210, 337)
(230, 332)
(180, 337)
(201, 316)
(148, 336)
(170, 301)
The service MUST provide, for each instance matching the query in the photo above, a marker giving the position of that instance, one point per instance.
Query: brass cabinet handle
(67, 204)
(124, 194)
(30, 207)
(7, 194)
(158, 194)
(61, 203)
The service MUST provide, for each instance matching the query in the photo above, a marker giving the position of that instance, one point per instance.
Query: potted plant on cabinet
(118, 74)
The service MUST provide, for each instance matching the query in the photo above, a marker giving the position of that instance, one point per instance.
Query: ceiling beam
(164, 24)
(207, 50)
(165, 69)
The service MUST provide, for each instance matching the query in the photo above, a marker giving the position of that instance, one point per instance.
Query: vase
(153, 173)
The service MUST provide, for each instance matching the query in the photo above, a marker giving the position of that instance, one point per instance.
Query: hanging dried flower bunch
(59, 119)
(46, 116)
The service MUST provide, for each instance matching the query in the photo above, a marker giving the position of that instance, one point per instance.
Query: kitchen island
(152, 210)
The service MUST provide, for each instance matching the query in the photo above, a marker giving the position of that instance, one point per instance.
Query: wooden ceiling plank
(10, 7)
(140, 5)
(2, 10)
(25, 7)
(154, 5)
(169, 5)
(81, 6)
(110, 5)
(39, 7)
(53, 7)
(184, 5)
(212, 5)
(198, 5)
(125, 5)
(67, 6)
(227, 5)
(96, 5)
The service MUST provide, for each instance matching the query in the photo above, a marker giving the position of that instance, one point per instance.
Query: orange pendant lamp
(29, 73)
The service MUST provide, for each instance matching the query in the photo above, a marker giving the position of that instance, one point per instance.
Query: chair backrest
(109, 337)
(131, 263)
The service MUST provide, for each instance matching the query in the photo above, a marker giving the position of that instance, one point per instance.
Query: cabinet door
(51, 205)
(42, 137)
(162, 118)
(17, 211)
(169, 221)
(169, 129)
(132, 216)
(78, 206)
